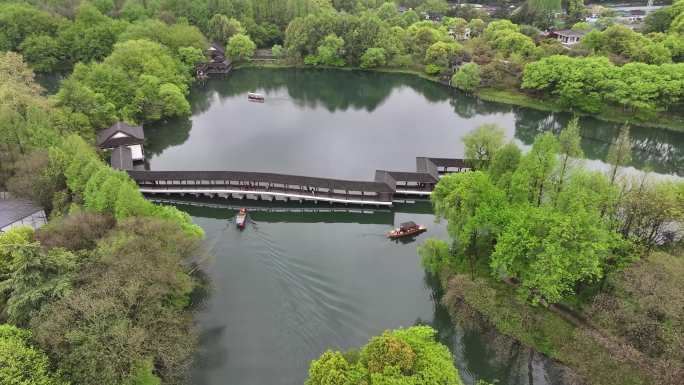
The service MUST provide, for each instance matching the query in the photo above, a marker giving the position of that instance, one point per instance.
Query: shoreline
(579, 349)
(513, 98)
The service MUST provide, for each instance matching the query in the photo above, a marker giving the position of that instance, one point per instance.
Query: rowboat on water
(406, 229)
(254, 97)
(241, 218)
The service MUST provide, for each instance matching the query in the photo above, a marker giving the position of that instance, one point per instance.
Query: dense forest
(104, 293)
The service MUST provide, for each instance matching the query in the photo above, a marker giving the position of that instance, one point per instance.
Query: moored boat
(254, 97)
(406, 229)
(241, 218)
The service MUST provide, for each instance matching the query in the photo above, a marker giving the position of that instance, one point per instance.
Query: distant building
(218, 64)
(19, 212)
(568, 36)
(632, 16)
(433, 16)
(123, 135)
(460, 33)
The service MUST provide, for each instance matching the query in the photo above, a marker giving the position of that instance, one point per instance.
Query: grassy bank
(630, 333)
(609, 114)
(279, 64)
(538, 328)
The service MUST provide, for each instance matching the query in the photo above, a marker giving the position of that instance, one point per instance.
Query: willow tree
(570, 149)
(620, 153)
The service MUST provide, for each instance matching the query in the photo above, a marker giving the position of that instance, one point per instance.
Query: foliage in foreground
(542, 221)
(106, 310)
(21, 363)
(104, 288)
(402, 356)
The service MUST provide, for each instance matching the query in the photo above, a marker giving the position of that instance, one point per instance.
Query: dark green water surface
(347, 124)
(302, 279)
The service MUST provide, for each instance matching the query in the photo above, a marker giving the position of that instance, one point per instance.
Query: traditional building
(218, 64)
(19, 212)
(460, 33)
(123, 135)
(569, 36)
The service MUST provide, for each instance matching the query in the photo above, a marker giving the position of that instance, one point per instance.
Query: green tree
(482, 143)
(134, 291)
(330, 51)
(19, 21)
(619, 153)
(534, 175)
(173, 36)
(434, 255)
(222, 28)
(190, 57)
(658, 21)
(475, 211)
(35, 278)
(575, 11)
(374, 57)
(442, 54)
(569, 142)
(23, 364)
(240, 47)
(277, 51)
(467, 78)
(504, 164)
(42, 52)
(91, 37)
(129, 81)
(402, 356)
(549, 253)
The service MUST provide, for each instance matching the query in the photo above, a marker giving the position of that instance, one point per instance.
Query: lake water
(303, 279)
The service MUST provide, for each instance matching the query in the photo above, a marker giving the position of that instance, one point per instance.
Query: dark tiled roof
(12, 210)
(257, 177)
(570, 32)
(402, 176)
(216, 47)
(122, 158)
(449, 162)
(136, 134)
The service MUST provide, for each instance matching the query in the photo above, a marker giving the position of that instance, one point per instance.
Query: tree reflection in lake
(306, 108)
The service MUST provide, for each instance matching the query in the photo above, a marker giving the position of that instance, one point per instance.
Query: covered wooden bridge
(238, 184)
(382, 191)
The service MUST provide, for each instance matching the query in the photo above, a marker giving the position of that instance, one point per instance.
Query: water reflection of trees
(658, 149)
(162, 135)
(335, 90)
(481, 352)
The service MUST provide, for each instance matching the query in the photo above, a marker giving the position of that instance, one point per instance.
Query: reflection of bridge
(387, 186)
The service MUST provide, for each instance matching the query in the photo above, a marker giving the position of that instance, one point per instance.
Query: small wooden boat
(406, 229)
(254, 97)
(241, 218)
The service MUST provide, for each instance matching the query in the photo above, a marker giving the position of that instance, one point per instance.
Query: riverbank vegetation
(568, 252)
(406, 356)
(617, 73)
(102, 293)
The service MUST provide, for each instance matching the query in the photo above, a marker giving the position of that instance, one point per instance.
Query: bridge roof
(421, 177)
(337, 184)
(449, 162)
